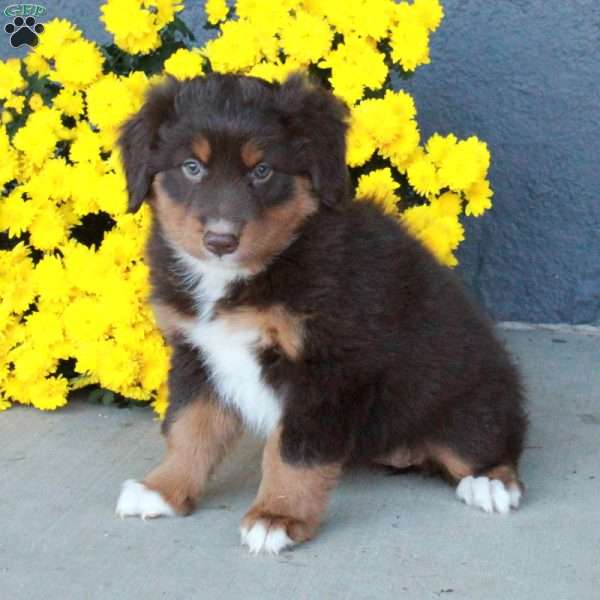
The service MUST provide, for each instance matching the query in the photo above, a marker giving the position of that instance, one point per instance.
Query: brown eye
(261, 172)
(193, 169)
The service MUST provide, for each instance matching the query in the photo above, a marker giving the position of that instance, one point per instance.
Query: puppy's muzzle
(221, 243)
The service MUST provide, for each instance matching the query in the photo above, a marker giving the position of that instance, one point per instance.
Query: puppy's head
(232, 166)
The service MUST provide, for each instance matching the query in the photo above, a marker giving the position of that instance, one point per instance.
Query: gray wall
(525, 77)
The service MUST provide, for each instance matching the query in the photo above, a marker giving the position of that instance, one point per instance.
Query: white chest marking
(229, 354)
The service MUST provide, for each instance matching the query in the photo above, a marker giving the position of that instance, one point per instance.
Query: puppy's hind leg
(494, 489)
(198, 436)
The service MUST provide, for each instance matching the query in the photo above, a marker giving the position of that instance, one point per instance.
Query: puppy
(312, 319)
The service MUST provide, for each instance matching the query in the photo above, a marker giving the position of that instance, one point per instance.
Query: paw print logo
(23, 31)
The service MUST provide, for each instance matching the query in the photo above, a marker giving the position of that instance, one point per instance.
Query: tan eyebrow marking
(201, 148)
(251, 154)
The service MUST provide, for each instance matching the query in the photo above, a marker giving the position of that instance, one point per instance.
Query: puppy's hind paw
(136, 500)
(491, 495)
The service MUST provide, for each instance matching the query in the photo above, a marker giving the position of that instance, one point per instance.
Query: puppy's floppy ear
(317, 121)
(138, 138)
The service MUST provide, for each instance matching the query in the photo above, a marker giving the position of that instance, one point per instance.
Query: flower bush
(73, 308)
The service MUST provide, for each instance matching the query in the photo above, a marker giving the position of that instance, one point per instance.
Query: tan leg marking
(455, 466)
(197, 440)
(265, 238)
(278, 326)
(291, 499)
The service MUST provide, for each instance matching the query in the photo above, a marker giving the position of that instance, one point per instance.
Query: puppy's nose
(221, 243)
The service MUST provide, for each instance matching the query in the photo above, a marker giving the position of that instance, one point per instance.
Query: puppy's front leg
(198, 436)
(290, 503)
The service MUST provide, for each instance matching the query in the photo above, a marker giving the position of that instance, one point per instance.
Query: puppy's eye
(193, 169)
(261, 172)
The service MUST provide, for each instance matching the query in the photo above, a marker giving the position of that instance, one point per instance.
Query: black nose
(221, 243)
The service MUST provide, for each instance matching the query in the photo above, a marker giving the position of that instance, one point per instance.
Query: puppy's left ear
(138, 139)
(317, 122)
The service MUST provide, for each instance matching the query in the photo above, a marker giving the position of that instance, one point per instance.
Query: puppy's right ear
(139, 136)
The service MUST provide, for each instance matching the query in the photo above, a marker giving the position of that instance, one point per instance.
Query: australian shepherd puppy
(294, 311)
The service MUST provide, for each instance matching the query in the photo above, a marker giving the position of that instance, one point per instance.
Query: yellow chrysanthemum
(422, 176)
(429, 12)
(16, 102)
(307, 38)
(10, 77)
(38, 137)
(69, 101)
(464, 164)
(216, 11)
(479, 198)
(379, 186)
(36, 64)
(134, 27)
(184, 64)
(56, 35)
(77, 64)
(409, 38)
(355, 55)
(110, 102)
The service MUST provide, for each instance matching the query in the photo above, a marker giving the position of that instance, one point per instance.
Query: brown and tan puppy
(315, 321)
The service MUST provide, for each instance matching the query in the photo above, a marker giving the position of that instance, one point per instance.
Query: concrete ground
(385, 537)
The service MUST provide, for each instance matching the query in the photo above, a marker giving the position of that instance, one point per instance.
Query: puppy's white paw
(491, 495)
(260, 538)
(136, 500)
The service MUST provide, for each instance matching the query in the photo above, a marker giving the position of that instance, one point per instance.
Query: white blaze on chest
(229, 354)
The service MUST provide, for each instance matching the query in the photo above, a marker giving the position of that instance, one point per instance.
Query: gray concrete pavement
(385, 537)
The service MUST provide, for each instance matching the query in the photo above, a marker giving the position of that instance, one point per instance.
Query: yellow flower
(216, 10)
(16, 102)
(50, 393)
(36, 102)
(354, 56)
(379, 186)
(69, 101)
(409, 39)
(422, 176)
(48, 229)
(85, 146)
(78, 64)
(134, 27)
(438, 147)
(110, 102)
(448, 204)
(50, 279)
(38, 137)
(306, 38)
(16, 215)
(57, 33)
(164, 10)
(184, 64)
(429, 12)
(479, 198)
(10, 77)
(464, 164)
(274, 71)
(239, 47)
(36, 64)
(440, 233)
